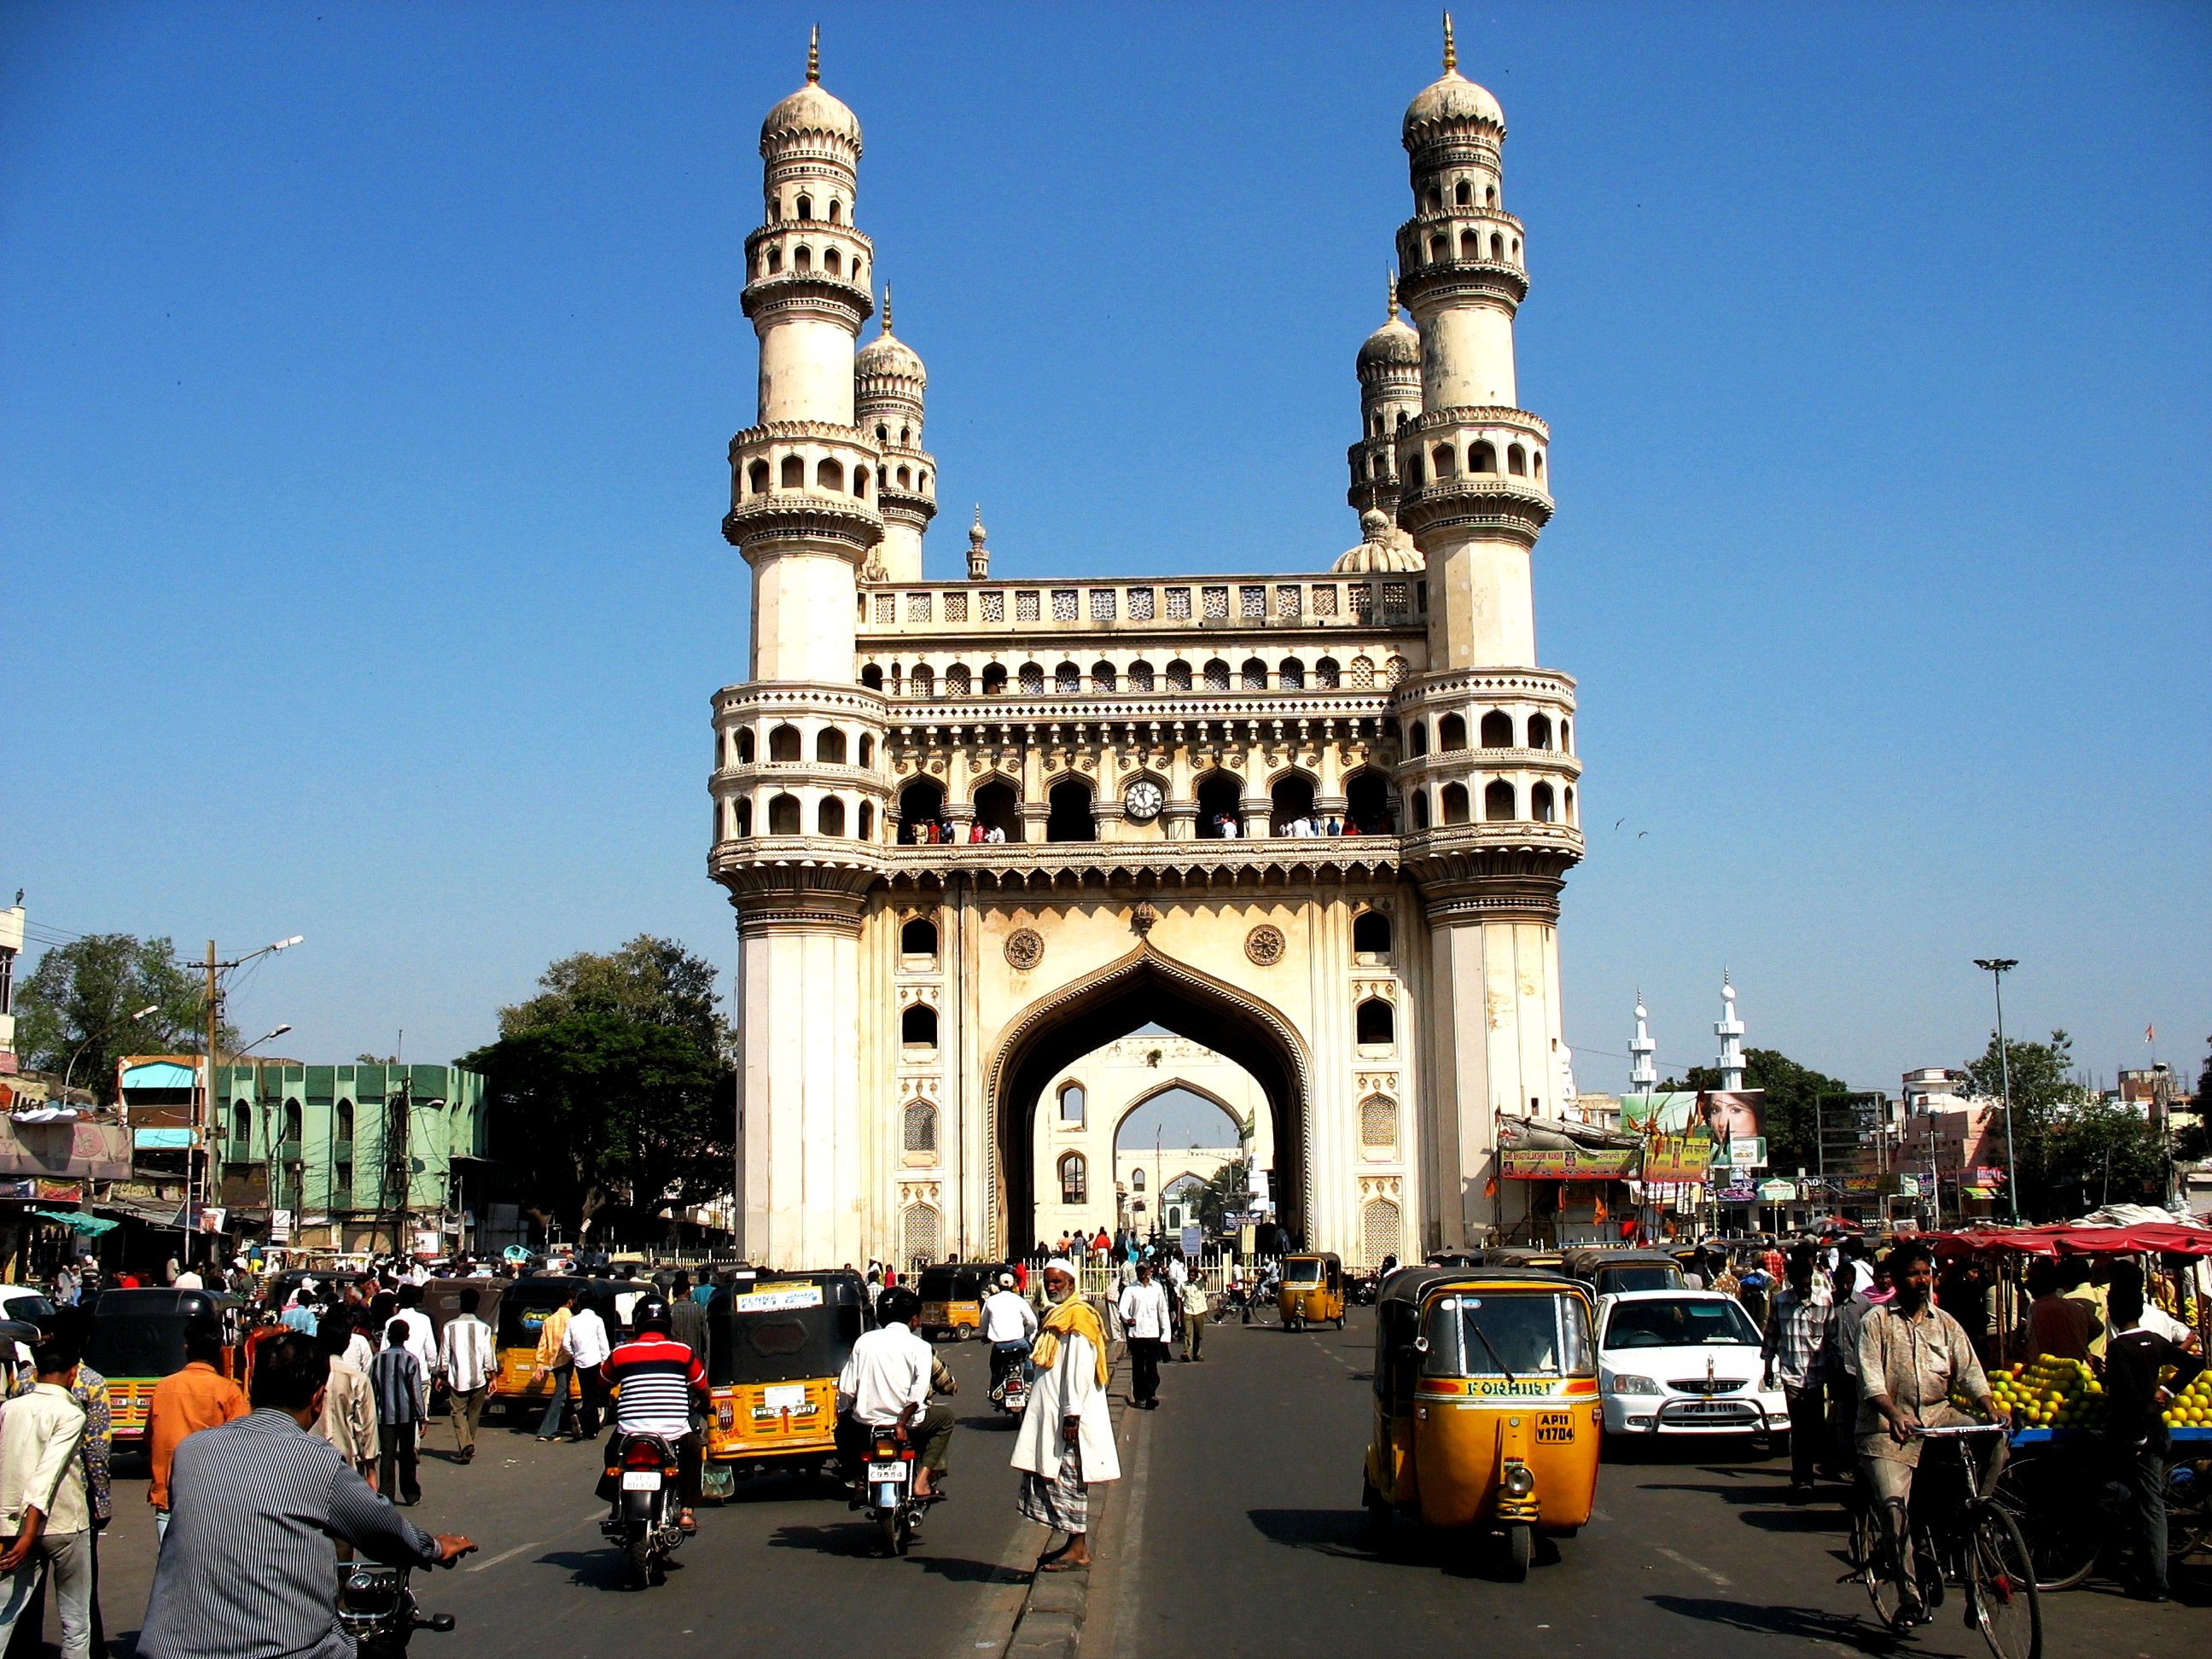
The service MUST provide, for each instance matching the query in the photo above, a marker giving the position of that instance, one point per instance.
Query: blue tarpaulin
(94, 1224)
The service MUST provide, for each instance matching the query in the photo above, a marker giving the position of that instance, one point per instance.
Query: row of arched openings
(1068, 680)
(770, 262)
(1496, 731)
(790, 473)
(787, 815)
(1481, 458)
(786, 746)
(1217, 801)
(1470, 247)
(1500, 805)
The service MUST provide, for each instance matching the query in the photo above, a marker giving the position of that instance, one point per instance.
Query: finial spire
(1391, 315)
(814, 53)
(1451, 49)
(887, 312)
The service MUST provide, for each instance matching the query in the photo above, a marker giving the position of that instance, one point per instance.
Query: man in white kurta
(1065, 1441)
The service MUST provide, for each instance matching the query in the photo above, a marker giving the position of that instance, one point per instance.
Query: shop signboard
(1683, 1157)
(1747, 1152)
(1567, 1163)
(1777, 1192)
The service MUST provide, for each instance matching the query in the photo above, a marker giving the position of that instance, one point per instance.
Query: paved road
(784, 1569)
(1249, 1539)
(1237, 1532)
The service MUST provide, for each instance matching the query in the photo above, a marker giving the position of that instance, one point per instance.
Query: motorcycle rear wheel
(638, 1554)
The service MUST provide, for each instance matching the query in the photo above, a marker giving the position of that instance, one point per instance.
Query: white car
(1683, 1363)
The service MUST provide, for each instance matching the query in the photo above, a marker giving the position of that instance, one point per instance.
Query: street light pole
(1996, 968)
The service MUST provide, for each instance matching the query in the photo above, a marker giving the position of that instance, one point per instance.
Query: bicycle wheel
(1870, 1559)
(2057, 1514)
(2001, 1578)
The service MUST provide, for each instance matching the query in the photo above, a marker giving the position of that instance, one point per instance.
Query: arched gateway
(975, 828)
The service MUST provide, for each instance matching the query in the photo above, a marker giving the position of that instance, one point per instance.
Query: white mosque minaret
(1643, 1069)
(1730, 1030)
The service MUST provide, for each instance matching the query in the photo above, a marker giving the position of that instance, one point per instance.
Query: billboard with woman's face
(1737, 1120)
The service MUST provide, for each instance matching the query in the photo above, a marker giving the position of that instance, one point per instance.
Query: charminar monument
(973, 828)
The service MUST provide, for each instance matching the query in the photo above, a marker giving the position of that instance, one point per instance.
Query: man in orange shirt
(198, 1397)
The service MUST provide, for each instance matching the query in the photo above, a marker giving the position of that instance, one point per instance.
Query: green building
(366, 1157)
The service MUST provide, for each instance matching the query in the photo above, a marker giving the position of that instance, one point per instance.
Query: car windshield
(1491, 1335)
(1301, 1273)
(1644, 1276)
(1680, 1321)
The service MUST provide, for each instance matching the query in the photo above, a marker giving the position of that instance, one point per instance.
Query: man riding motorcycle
(1009, 1326)
(885, 1382)
(661, 1390)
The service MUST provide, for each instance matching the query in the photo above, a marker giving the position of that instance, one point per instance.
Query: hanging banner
(1683, 1157)
(1567, 1163)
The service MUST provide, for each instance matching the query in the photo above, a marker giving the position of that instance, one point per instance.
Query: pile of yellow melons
(2051, 1393)
(2192, 1406)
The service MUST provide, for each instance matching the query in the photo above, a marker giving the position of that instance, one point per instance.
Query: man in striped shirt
(659, 1383)
(248, 1567)
(403, 1402)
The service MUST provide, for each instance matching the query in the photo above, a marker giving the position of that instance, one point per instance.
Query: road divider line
(528, 1544)
(1719, 1580)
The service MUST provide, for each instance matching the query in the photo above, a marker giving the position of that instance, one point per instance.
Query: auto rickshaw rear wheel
(1520, 1545)
(1379, 1511)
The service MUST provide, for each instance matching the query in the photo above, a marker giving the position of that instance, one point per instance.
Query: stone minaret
(1643, 1069)
(1390, 370)
(801, 797)
(1487, 773)
(888, 384)
(1730, 1030)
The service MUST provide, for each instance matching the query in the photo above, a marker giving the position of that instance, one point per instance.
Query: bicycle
(2076, 1516)
(1957, 1531)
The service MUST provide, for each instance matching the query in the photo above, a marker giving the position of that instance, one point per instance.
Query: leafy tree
(653, 981)
(1792, 1112)
(2073, 1151)
(593, 1113)
(77, 1005)
(1228, 1188)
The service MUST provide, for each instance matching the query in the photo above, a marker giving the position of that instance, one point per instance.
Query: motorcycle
(1011, 1393)
(378, 1610)
(645, 1476)
(1366, 1288)
(885, 1488)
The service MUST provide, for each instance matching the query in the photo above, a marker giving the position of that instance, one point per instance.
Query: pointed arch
(1146, 984)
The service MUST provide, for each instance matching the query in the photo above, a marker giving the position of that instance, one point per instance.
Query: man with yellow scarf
(1065, 1441)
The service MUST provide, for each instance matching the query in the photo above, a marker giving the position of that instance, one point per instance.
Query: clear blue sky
(366, 373)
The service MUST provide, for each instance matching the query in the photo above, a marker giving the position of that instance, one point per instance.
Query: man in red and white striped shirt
(659, 1383)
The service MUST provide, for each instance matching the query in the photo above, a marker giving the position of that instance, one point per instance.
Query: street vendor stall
(2058, 1481)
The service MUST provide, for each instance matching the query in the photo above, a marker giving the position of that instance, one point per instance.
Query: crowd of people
(1867, 1348)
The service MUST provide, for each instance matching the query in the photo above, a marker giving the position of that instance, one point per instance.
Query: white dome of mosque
(1396, 345)
(1383, 546)
(887, 356)
(811, 109)
(1454, 98)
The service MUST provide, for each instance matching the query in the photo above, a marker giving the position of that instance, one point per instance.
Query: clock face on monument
(1143, 800)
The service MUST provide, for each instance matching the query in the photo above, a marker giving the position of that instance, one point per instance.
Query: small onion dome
(1395, 345)
(888, 357)
(1383, 546)
(811, 109)
(1453, 99)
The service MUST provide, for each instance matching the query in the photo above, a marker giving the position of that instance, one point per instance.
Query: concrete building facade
(973, 830)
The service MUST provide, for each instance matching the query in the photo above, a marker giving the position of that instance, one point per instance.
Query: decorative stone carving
(1024, 948)
(1264, 945)
(1142, 918)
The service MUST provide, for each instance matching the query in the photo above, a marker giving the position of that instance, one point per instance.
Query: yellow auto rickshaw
(775, 1343)
(952, 1298)
(523, 1308)
(1486, 1410)
(137, 1337)
(1311, 1290)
